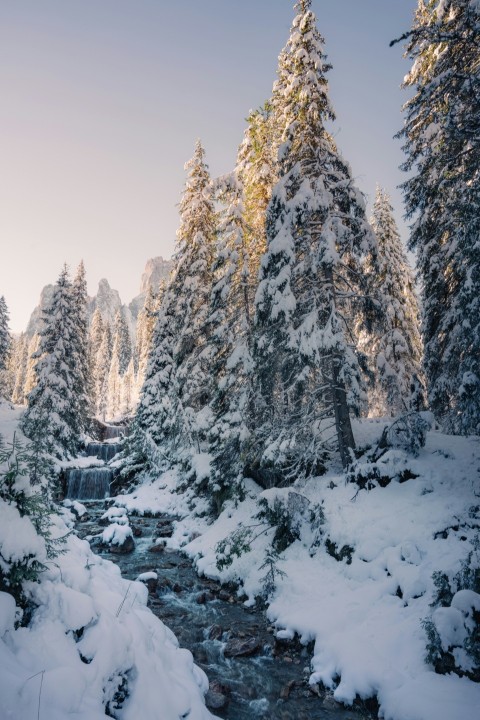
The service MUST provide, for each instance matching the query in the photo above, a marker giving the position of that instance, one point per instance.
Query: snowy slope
(91, 639)
(365, 617)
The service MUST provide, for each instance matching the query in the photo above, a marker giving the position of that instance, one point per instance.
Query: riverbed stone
(241, 647)
(159, 547)
(127, 546)
(217, 696)
(215, 632)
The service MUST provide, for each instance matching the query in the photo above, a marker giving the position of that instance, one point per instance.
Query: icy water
(269, 684)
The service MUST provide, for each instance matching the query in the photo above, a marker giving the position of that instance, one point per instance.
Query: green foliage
(468, 578)
(434, 645)
(273, 574)
(233, 546)
(21, 469)
(444, 595)
(278, 517)
(339, 554)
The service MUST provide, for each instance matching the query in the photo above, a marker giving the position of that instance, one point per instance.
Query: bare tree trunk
(343, 425)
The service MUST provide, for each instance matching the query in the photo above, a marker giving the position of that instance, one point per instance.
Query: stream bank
(252, 674)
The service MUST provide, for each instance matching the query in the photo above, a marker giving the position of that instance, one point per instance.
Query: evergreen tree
(114, 384)
(170, 423)
(122, 341)
(19, 369)
(96, 333)
(32, 358)
(5, 345)
(257, 172)
(81, 379)
(52, 409)
(306, 364)
(128, 391)
(190, 289)
(394, 347)
(101, 372)
(5, 339)
(145, 328)
(154, 418)
(442, 143)
(229, 329)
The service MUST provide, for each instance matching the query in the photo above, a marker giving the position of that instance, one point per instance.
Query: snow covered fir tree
(442, 145)
(395, 347)
(276, 440)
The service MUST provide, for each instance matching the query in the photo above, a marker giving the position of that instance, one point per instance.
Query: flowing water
(94, 483)
(269, 684)
(88, 483)
(103, 451)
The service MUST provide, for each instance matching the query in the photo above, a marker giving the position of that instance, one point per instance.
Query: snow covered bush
(453, 631)
(27, 511)
(283, 517)
(390, 458)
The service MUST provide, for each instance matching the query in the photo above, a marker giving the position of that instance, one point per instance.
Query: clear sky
(101, 102)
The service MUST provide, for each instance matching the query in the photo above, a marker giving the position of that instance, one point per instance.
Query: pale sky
(101, 102)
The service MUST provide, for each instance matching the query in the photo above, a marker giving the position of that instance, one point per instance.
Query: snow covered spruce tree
(154, 417)
(121, 356)
(171, 422)
(229, 331)
(20, 369)
(394, 347)
(145, 327)
(309, 294)
(32, 358)
(51, 419)
(5, 343)
(101, 372)
(80, 368)
(121, 339)
(442, 143)
(257, 172)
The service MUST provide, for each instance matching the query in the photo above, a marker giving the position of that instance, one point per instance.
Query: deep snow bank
(366, 614)
(91, 643)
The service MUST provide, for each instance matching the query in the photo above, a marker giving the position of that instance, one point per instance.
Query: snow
(365, 617)
(90, 634)
(116, 534)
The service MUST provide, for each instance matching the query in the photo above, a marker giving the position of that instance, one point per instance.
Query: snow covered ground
(91, 641)
(363, 608)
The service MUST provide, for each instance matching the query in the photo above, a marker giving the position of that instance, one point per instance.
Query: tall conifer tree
(80, 347)
(442, 143)
(51, 417)
(394, 347)
(309, 378)
(5, 344)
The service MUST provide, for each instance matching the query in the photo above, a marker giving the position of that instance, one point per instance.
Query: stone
(152, 584)
(287, 689)
(137, 531)
(239, 647)
(157, 548)
(124, 548)
(215, 701)
(224, 595)
(165, 528)
(215, 632)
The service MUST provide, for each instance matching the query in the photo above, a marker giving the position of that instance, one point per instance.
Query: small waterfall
(113, 431)
(103, 451)
(88, 483)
